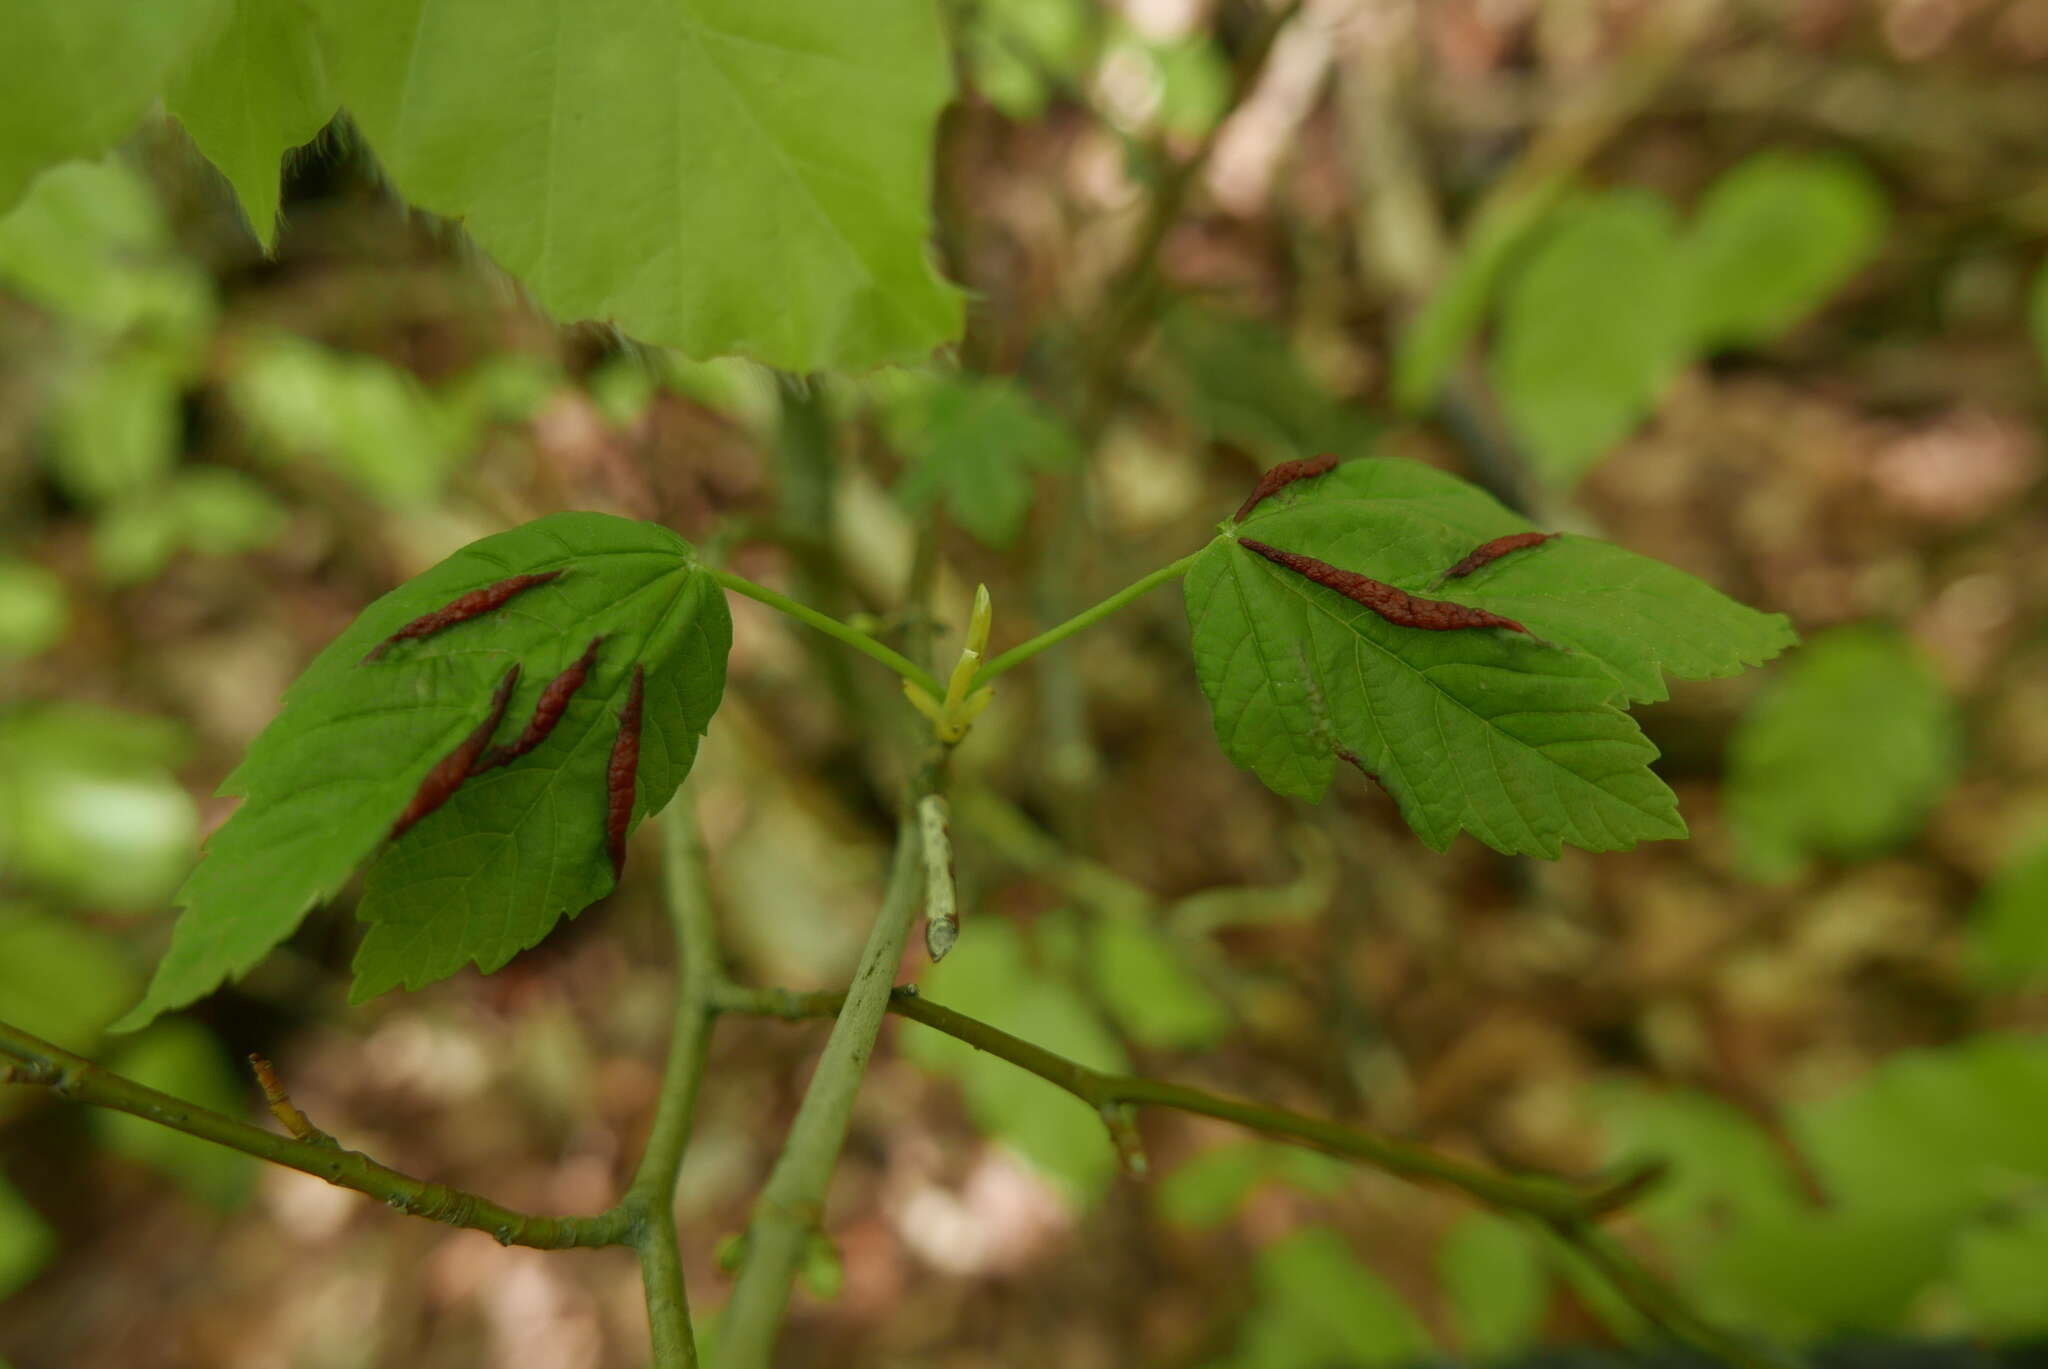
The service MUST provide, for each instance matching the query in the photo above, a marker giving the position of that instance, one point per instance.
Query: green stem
(688, 896)
(36, 1061)
(651, 1196)
(1550, 1199)
(661, 1279)
(1661, 1305)
(1086, 618)
(787, 1214)
(831, 627)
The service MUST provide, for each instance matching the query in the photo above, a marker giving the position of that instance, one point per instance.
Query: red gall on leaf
(458, 765)
(1486, 553)
(470, 605)
(547, 711)
(1397, 606)
(1350, 758)
(1281, 476)
(620, 774)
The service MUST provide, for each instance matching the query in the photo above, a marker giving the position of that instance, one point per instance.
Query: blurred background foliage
(1752, 287)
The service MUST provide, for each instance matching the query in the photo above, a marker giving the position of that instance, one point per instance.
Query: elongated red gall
(1486, 553)
(461, 610)
(620, 775)
(1397, 606)
(458, 765)
(1280, 477)
(547, 711)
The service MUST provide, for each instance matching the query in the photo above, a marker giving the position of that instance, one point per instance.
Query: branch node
(294, 1121)
(1122, 1121)
(28, 1072)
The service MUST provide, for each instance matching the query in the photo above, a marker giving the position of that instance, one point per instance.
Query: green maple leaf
(978, 444)
(518, 845)
(257, 88)
(75, 77)
(1520, 739)
(721, 176)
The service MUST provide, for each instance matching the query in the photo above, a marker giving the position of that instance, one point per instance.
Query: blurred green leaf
(33, 612)
(1023, 51)
(134, 540)
(1434, 341)
(1240, 380)
(1194, 84)
(184, 1060)
(1143, 978)
(1772, 239)
(88, 807)
(2037, 313)
(1998, 1271)
(510, 387)
(2009, 927)
(1591, 329)
(1938, 1132)
(742, 390)
(89, 244)
(78, 75)
(622, 387)
(207, 509)
(366, 420)
(989, 975)
(975, 443)
(1926, 1156)
(60, 979)
(1842, 755)
(1812, 1275)
(1208, 1189)
(26, 1241)
(1495, 1282)
(222, 512)
(1318, 1306)
(118, 427)
(1723, 1170)
(255, 90)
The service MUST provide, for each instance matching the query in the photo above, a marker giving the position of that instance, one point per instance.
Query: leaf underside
(658, 166)
(1521, 740)
(516, 847)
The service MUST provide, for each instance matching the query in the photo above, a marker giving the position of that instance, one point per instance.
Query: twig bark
(35, 1061)
(1541, 1196)
(651, 1196)
(787, 1212)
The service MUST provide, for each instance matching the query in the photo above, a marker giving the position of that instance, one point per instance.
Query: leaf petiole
(1086, 618)
(830, 626)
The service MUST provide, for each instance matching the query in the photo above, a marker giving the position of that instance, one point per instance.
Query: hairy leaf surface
(517, 846)
(1519, 739)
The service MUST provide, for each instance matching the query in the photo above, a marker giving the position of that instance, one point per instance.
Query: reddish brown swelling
(547, 711)
(1486, 553)
(620, 775)
(1283, 475)
(470, 605)
(1351, 758)
(458, 765)
(1397, 606)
